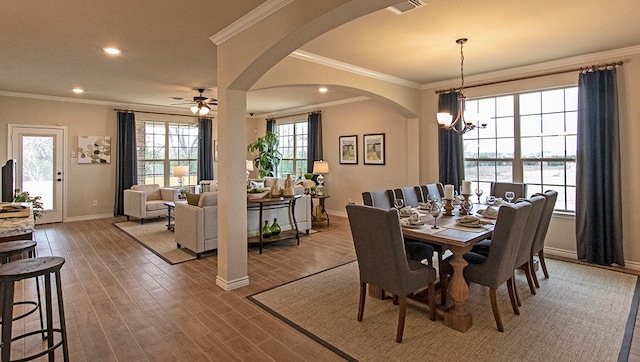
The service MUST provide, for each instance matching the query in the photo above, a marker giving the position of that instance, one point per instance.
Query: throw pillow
(193, 199)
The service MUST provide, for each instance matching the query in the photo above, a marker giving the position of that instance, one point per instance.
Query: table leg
(293, 216)
(457, 317)
(324, 211)
(260, 228)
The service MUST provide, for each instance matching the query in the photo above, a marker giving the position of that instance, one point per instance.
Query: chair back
(545, 219)
(499, 188)
(379, 199)
(379, 246)
(505, 241)
(436, 190)
(529, 234)
(410, 195)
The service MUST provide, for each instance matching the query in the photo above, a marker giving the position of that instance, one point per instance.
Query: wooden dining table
(459, 240)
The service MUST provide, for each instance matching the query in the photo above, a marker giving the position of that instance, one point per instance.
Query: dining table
(458, 239)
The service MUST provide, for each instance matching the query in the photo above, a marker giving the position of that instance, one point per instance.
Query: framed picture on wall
(349, 150)
(215, 151)
(374, 153)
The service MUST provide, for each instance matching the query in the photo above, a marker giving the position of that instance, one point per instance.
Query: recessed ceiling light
(112, 51)
(78, 90)
(322, 90)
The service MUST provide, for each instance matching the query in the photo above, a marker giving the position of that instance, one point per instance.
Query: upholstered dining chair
(528, 236)
(435, 190)
(499, 188)
(382, 260)
(541, 233)
(382, 199)
(410, 195)
(496, 268)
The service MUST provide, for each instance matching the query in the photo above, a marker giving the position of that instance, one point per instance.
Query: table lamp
(249, 167)
(320, 168)
(180, 172)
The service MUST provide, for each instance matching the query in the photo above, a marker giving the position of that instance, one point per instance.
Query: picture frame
(94, 149)
(374, 149)
(215, 151)
(348, 150)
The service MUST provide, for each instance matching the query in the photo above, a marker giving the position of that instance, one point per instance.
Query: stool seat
(11, 248)
(29, 268)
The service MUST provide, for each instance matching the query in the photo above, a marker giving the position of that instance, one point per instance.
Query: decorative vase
(266, 230)
(275, 190)
(275, 228)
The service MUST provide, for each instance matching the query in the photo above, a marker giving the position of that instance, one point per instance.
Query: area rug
(153, 235)
(579, 314)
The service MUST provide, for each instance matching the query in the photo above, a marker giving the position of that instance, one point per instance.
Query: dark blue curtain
(205, 149)
(271, 125)
(126, 160)
(314, 152)
(451, 161)
(598, 195)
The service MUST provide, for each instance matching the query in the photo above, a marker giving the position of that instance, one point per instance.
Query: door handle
(59, 173)
(59, 180)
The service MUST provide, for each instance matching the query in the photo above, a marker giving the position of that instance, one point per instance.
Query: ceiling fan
(201, 104)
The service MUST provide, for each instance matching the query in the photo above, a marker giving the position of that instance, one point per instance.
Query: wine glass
(435, 212)
(479, 193)
(398, 203)
(510, 195)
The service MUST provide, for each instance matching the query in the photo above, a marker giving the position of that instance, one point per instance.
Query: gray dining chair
(499, 188)
(410, 195)
(541, 233)
(435, 190)
(382, 260)
(382, 199)
(496, 268)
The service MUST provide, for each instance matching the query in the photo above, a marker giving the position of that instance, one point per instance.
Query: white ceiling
(49, 47)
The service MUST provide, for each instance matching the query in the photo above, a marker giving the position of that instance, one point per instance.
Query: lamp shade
(180, 171)
(320, 167)
(200, 109)
(249, 165)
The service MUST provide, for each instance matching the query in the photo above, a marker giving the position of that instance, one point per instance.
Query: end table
(321, 206)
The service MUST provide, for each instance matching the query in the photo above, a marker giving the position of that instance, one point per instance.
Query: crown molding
(585, 60)
(318, 59)
(254, 16)
(291, 111)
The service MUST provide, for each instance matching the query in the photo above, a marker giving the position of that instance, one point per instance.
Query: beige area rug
(153, 235)
(579, 314)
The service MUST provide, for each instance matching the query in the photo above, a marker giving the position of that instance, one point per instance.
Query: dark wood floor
(124, 303)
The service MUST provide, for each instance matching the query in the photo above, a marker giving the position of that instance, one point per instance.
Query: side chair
(496, 268)
(382, 260)
(541, 233)
(410, 195)
(499, 188)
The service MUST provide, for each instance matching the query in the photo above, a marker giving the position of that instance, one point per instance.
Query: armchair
(147, 201)
(196, 227)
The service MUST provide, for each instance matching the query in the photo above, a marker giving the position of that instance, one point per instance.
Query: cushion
(152, 191)
(193, 199)
(155, 205)
(474, 258)
(208, 199)
(257, 184)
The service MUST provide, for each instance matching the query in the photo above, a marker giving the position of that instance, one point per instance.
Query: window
(292, 139)
(162, 145)
(531, 138)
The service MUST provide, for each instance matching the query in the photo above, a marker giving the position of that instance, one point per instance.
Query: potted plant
(268, 156)
(35, 201)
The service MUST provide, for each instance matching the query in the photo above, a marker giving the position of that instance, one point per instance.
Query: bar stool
(11, 249)
(18, 270)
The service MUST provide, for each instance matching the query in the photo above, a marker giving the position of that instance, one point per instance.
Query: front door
(39, 152)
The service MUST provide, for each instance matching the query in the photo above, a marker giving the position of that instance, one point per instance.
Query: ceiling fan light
(195, 109)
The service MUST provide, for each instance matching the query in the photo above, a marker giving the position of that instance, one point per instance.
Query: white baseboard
(632, 265)
(87, 217)
(233, 284)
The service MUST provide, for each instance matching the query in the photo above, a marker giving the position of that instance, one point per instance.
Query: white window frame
(300, 146)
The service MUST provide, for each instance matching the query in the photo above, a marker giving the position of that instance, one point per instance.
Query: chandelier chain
(462, 68)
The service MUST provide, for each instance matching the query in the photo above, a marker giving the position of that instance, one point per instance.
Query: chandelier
(468, 120)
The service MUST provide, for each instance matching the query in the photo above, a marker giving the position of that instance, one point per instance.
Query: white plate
(469, 225)
(412, 226)
(487, 217)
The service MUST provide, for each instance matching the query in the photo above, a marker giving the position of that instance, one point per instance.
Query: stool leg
(7, 318)
(47, 297)
(63, 326)
(32, 254)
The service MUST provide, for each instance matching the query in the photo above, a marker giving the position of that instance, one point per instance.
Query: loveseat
(147, 201)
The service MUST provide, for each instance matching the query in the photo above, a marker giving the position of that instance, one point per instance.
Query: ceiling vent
(405, 6)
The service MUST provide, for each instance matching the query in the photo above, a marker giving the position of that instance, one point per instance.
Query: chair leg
(363, 296)
(395, 299)
(127, 217)
(432, 301)
(542, 263)
(494, 307)
(512, 296)
(444, 286)
(535, 276)
(528, 272)
(402, 313)
(515, 291)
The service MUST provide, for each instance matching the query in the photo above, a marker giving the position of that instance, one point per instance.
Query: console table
(268, 203)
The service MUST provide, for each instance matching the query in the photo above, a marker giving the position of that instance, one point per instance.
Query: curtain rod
(591, 68)
(295, 114)
(162, 113)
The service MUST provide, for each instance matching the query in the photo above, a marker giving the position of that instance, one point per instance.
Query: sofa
(196, 226)
(147, 201)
